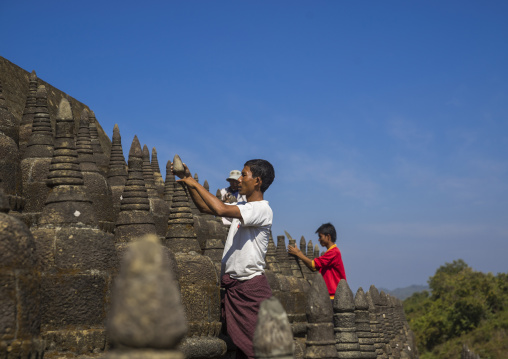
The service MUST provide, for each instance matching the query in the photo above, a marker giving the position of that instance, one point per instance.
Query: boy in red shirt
(329, 264)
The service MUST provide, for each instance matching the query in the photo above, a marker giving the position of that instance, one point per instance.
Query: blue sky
(387, 118)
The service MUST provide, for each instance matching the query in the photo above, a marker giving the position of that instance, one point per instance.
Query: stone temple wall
(102, 257)
(16, 85)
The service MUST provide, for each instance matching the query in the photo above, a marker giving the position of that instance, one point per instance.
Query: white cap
(234, 175)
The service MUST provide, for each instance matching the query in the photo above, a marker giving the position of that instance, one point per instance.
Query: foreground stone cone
(146, 310)
(273, 337)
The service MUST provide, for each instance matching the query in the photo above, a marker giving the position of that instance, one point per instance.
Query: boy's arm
(296, 252)
(207, 202)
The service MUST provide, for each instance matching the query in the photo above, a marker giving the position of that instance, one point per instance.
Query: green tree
(461, 299)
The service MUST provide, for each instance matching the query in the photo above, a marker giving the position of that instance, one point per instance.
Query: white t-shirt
(247, 242)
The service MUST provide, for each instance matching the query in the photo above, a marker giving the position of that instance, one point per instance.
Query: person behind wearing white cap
(231, 194)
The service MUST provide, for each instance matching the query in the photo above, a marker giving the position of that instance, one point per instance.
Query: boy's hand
(293, 250)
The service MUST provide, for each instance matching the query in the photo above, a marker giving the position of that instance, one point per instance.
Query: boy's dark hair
(328, 228)
(263, 169)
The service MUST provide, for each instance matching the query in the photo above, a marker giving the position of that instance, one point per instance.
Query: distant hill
(403, 293)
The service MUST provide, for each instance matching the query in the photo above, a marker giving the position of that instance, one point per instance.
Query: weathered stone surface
(271, 256)
(293, 260)
(344, 323)
(19, 288)
(199, 284)
(169, 185)
(282, 256)
(68, 201)
(17, 86)
(362, 321)
(135, 219)
(159, 182)
(25, 127)
(273, 337)
(158, 207)
(320, 335)
(10, 172)
(181, 235)
(96, 184)
(146, 308)
(100, 157)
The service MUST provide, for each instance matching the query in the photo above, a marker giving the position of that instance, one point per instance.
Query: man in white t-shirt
(243, 261)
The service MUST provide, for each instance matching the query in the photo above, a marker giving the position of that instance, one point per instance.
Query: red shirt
(331, 268)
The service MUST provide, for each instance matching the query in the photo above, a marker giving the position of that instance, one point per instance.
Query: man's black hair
(328, 228)
(263, 169)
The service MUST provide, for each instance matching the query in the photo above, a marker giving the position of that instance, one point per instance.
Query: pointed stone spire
(158, 207)
(169, 185)
(218, 194)
(159, 183)
(25, 128)
(344, 321)
(84, 144)
(362, 322)
(273, 337)
(95, 182)
(101, 159)
(376, 298)
(282, 256)
(374, 326)
(320, 341)
(146, 311)
(41, 142)
(68, 201)
(38, 155)
(316, 251)
(310, 250)
(196, 177)
(206, 185)
(292, 259)
(117, 173)
(148, 174)
(76, 258)
(135, 219)
(181, 236)
(271, 255)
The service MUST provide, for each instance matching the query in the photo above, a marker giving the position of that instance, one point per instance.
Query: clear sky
(387, 118)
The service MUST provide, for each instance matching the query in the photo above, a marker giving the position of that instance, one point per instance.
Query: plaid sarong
(240, 310)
